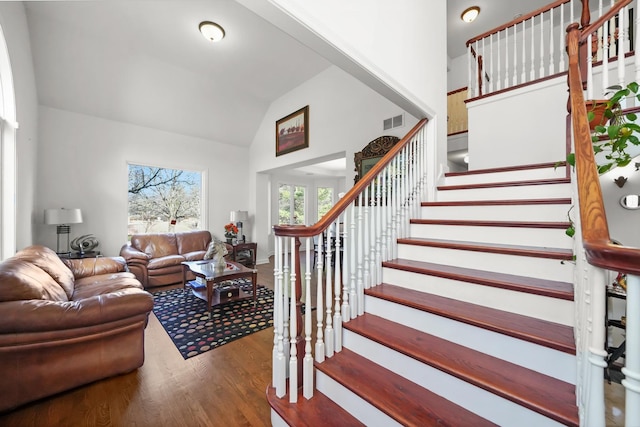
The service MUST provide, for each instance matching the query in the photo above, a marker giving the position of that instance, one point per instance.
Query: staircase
(472, 324)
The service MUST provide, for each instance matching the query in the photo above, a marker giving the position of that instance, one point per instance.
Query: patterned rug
(186, 319)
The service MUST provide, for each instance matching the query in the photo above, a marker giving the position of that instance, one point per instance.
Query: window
(291, 204)
(163, 200)
(325, 200)
(8, 126)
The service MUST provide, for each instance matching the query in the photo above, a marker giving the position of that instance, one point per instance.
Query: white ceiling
(144, 62)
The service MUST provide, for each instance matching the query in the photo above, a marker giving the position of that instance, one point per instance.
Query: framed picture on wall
(292, 132)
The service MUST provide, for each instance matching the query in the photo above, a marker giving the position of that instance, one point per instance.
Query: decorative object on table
(85, 243)
(217, 251)
(292, 132)
(238, 217)
(62, 218)
(230, 232)
(187, 322)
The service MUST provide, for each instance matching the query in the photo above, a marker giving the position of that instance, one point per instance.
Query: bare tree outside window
(163, 200)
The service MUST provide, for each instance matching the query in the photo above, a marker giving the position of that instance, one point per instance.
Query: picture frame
(292, 132)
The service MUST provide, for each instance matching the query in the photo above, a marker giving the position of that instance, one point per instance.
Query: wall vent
(393, 122)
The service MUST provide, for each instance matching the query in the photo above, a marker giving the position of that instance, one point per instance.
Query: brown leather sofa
(66, 323)
(155, 258)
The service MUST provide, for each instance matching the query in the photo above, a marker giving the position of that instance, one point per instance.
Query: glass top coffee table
(211, 292)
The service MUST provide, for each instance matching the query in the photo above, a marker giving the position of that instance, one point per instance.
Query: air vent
(393, 122)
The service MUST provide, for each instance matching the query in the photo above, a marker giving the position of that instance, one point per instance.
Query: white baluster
(561, 38)
(515, 55)
(337, 316)
(286, 288)
(355, 295)
(597, 297)
(506, 57)
(622, 35)
(523, 77)
(357, 301)
(551, 51)
(470, 84)
(631, 370)
(532, 75)
(394, 205)
(636, 58)
(378, 234)
(329, 332)
(498, 77)
(373, 267)
(279, 360)
(320, 347)
(489, 88)
(541, 72)
(494, 76)
(606, 52)
(363, 245)
(293, 358)
(307, 363)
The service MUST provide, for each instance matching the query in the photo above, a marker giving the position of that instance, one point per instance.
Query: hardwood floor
(222, 387)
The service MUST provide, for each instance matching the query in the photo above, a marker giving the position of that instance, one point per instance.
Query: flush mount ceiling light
(211, 31)
(470, 14)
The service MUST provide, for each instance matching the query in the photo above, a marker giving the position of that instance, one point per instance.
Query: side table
(245, 253)
(80, 255)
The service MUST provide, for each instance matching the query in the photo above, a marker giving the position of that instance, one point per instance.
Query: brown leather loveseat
(155, 258)
(66, 323)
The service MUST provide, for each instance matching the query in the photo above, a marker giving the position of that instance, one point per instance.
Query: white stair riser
(541, 268)
(352, 403)
(475, 399)
(552, 212)
(506, 193)
(539, 237)
(276, 420)
(536, 306)
(521, 175)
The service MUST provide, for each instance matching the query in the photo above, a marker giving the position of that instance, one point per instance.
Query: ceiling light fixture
(211, 31)
(470, 14)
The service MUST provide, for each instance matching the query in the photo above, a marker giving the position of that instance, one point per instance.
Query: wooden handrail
(518, 20)
(352, 194)
(599, 249)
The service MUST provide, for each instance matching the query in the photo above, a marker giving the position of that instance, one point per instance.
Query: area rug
(186, 319)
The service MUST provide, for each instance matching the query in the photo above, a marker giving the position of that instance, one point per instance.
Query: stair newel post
(307, 363)
(297, 343)
(597, 354)
(363, 235)
(320, 346)
(632, 356)
(337, 310)
(329, 333)
(279, 373)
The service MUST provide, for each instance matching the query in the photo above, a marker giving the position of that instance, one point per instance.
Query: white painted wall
(344, 116)
(14, 25)
(522, 126)
(82, 163)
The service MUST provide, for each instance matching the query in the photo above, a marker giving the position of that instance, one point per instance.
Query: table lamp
(62, 218)
(238, 217)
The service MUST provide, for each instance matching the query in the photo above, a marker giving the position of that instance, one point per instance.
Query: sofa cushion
(23, 280)
(164, 262)
(191, 241)
(50, 262)
(103, 284)
(156, 245)
(194, 256)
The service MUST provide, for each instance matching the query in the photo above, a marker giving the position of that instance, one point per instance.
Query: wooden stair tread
(546, 165)
(538, 392)
(512, 202)
(485, 223)
(505, 184)
(532, 285)
(542, 332)
(498, 248)
(319, 410)
(401, 399)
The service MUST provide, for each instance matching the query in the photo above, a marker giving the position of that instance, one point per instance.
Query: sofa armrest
(93, 266)
(132, 255)
(37, 316)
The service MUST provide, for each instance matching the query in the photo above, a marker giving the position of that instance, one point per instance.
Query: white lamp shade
(239, 216)
(62, 216)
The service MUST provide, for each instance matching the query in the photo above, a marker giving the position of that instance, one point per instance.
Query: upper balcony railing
(532, 47)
